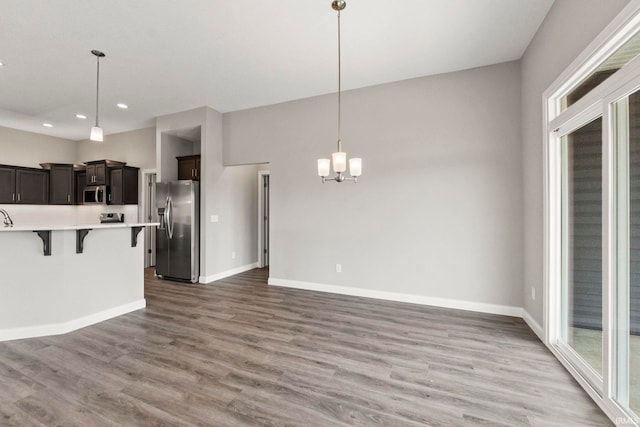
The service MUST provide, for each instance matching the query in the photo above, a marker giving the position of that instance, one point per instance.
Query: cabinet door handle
(68, 198)
(13, 197)
(18, 196)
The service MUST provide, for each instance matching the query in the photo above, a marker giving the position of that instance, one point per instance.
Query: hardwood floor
(239, 352)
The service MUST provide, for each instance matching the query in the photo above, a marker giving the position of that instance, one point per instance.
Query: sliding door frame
(558, 123)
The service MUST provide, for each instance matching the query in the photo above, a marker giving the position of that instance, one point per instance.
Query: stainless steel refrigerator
(178, 236)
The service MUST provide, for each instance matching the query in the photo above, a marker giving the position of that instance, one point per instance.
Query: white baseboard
(232, 272)
(504, 310)
(535, 326)
(71, 325)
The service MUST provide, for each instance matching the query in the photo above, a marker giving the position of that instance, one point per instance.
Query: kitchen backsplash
(66, 215)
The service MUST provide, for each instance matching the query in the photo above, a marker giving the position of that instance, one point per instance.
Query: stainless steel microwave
(96, 195)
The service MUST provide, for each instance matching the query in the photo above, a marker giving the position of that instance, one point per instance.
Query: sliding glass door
(581, 324)
(592, 218)
(598, 321)
(626, 311)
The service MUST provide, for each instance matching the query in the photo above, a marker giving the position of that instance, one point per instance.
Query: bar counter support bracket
(134, 235)
(80, 235)
(45, 235)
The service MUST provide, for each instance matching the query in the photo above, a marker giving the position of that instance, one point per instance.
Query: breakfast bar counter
(58, 278)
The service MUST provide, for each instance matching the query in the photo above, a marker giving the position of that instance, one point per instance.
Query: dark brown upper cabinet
(32, 186)
(7, 184)
(61, 183)
(124, 186)
(81, 182)
(98, 171)
(24, 185)
(189, 167)
(96, 174)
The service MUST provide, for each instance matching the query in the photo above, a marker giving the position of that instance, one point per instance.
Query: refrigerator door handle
(170, 218)
(165, 214)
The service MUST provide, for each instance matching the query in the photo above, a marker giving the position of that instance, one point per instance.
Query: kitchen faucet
(7, 218)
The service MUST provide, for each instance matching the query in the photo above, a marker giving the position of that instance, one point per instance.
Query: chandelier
(339, 158)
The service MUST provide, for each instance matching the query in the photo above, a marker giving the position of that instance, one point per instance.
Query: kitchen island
(58, 278)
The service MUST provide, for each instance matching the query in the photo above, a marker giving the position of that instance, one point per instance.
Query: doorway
(263, 218)
(149, 214)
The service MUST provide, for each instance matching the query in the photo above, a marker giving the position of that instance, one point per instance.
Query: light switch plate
(214, 218)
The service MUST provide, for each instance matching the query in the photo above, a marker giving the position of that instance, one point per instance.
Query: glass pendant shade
(339, 161)
(324, 166)
(96, 134)
(355, 166)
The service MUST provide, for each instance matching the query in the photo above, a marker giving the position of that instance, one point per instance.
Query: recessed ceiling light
(81, 116)
(47, 125)
(1, 64)
(123, 106)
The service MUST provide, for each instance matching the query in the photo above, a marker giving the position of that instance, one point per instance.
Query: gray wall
(438, 211)
(236, 204)
(568, 28)
(137, 148)
(21, 148)
(29, 149)
(173, 147)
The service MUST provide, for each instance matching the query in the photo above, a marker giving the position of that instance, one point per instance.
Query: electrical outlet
(533, 293)
(338, 268)
(233, 255)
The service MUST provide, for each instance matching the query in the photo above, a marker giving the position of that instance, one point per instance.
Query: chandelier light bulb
(324, 167)
(339, 161)
(355, 167)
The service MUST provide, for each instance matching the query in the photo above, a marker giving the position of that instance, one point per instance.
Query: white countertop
(40, 227)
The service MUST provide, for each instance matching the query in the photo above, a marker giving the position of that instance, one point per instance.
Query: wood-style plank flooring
(239, 352)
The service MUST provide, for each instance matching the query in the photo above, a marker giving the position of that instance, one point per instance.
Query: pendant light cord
(339, 86)
(97, 87)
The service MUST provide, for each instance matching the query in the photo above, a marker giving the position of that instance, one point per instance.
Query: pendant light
(339, 157)
(96, 131)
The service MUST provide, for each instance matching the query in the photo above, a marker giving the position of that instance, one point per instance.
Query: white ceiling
(165, 56)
